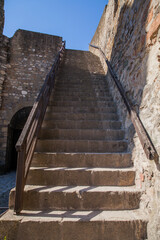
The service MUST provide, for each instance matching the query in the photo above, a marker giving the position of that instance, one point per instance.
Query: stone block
(153, 29)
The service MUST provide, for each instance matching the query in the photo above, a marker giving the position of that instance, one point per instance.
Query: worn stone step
(77, 80)
(49, 145)
(69, 225)
(80, 134)
(80, 116)
(80, 98)
(68, 78)
(82, 103)
(63, 176)
(88, 83)
(80, 94)
(81, 124)
(106, 160)
(83, 109)
(78, 198)
(81, 87)
(94, 92)
(82, 90)
(70, 72)
(87, 78)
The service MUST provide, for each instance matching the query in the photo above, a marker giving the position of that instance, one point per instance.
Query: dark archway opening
(14, 130)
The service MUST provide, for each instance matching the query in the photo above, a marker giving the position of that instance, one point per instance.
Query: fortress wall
(30, 57)
(4, 45)
(4, 41)
(1, 16)
(129, 35)
(3, 49)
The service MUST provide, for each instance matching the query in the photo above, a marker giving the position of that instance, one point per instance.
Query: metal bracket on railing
(144, 138)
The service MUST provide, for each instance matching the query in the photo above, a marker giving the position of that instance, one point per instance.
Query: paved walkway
(7, 182)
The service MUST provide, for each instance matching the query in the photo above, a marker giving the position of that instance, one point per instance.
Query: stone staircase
(81, 184)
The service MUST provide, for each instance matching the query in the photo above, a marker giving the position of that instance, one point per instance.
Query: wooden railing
(28, 138)
(145, 140)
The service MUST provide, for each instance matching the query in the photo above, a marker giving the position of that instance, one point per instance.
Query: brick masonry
(25, 60)
(129, 34)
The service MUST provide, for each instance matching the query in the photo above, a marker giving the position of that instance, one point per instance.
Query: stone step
(87, 78)
(81, 134)
(83, 109)
(69, 225)
(76, 79)
(92, 146)
(83, 90)
(78, 198)
(73, 160)
(88, 83)
(68, 78)
(79, 98)
(81, 124)
(63, 176)
(80, 94)
(78, 104)
(80, 116)
(77, 87)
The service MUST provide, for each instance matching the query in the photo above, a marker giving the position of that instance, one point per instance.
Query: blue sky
(74, 20)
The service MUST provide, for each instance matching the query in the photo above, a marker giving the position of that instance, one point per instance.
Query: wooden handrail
(28, 138)
(145, 140)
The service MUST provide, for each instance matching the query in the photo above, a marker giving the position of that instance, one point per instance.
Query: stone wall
(29, 57)
(129, 35)
(1, 16)
(4, 45)
(3, 49)
(4, 41)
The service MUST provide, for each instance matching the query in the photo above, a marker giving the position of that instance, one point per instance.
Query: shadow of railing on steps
(144, 138)
(28, 138)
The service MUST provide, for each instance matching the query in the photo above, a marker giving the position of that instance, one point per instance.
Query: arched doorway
(14, 130)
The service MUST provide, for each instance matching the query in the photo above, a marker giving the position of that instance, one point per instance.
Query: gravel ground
(7, 182)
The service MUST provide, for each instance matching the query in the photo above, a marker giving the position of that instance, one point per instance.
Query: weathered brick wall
(30, 56)
(129, 34)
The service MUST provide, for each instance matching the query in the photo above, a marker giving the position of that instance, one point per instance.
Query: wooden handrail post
(20, 179)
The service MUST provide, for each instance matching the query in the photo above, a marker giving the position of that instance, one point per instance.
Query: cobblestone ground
(7, 182)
